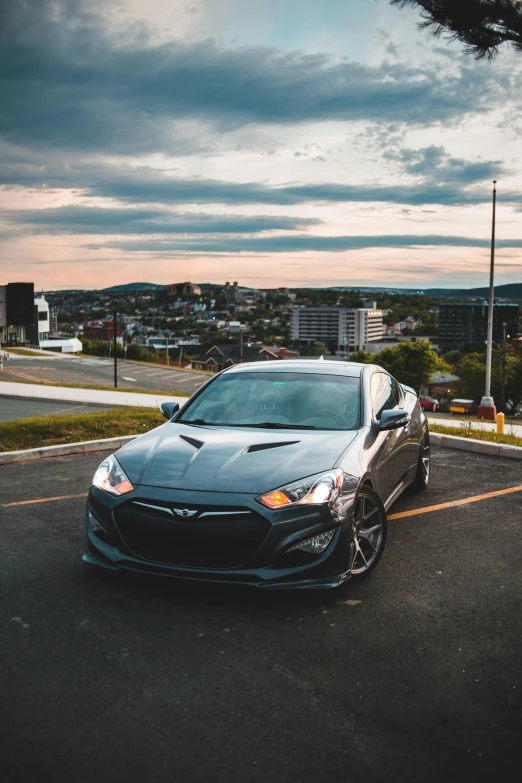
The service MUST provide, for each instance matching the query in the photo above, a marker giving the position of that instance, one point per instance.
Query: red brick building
(103, 331)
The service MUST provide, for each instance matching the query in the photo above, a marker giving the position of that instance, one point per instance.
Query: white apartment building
(351, 329)
(43, 324)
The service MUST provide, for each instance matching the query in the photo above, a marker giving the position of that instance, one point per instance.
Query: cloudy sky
(273, 142)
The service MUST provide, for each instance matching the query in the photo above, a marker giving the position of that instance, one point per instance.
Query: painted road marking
(453, 503)
(412, 513)
(128, 379)
(43, 500)
(186, 380)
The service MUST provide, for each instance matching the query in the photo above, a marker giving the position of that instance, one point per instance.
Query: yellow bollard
(500, 423)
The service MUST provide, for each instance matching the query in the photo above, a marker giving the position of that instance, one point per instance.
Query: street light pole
(487, 408)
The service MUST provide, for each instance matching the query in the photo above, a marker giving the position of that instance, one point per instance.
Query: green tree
(364, 357)
(314, 350)
(453, 358)
(480, 25)
(471, 370)
(410, 363)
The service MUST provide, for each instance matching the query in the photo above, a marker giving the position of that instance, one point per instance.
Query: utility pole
(487, 408)
(167, 336)
(180, 354)
(241, 343)
(115, 351)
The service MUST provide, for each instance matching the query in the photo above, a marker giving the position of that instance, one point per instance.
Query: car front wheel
(422, 477)
(369, 536)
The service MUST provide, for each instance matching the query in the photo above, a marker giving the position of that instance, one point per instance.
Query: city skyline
(275, 144)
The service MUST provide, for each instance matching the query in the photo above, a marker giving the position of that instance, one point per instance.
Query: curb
(79, 402)
(27, 455)
(477, 446)
(444, 441)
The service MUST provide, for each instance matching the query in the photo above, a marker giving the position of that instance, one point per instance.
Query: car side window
(385, 393)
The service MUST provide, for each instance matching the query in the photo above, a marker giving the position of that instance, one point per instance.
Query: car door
(392, 457)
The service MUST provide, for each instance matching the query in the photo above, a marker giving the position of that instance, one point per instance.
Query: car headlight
(111, 477)
(321, 489)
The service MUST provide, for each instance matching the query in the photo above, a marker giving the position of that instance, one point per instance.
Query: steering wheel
(337, 417)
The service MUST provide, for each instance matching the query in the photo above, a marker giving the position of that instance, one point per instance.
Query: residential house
(221, 356)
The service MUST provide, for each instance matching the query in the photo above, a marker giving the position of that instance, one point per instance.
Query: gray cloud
(116, 220)
(299, 243)
(143, 185)
(435, 165)
(69, 86)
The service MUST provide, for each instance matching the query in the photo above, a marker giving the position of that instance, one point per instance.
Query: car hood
(229, 459)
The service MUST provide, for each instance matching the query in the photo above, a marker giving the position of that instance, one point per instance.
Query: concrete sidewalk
(484, 426)
(94, 396)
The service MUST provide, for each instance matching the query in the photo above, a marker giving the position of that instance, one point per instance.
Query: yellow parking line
(452, 503)
(43, 500)
(401, 515)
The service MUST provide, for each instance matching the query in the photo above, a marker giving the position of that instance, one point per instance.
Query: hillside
(132, 287)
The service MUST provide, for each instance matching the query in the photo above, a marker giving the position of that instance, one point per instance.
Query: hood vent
(192, 442)
(265, 446)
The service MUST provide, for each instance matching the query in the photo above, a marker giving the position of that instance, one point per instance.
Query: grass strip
(23, 352)
(122, 389)
(39, 431)
(477, 434)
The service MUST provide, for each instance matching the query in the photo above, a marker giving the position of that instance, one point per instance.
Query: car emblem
(184, 512)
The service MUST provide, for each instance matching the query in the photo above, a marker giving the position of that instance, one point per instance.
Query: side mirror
(168, 409)
(393, 419)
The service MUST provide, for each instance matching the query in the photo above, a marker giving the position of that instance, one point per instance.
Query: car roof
(321, 367)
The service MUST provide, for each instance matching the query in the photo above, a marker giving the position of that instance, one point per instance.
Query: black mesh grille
(217, 537)
(264, 446)
(196, 444)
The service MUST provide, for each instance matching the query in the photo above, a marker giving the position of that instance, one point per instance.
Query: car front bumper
(201, 549)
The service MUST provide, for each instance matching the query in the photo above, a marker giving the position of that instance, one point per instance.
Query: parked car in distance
(468, 407)
(274, 474)
(429, 404)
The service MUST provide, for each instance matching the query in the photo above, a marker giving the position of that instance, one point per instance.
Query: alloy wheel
(369, 532)
(425, 457)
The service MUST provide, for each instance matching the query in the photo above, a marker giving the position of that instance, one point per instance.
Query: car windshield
(279, 400)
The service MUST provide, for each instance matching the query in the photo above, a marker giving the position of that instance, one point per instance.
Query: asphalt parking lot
(96, 372)
(21, 408)
(412, 675)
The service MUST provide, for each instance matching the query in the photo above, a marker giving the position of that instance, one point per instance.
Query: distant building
(347, 329)
(53, 323)
(42, 319)
(17, 313)
(184, 289)
(465, 324)
(72, 345)
(101, 331)
(221, 356)
(239, 295)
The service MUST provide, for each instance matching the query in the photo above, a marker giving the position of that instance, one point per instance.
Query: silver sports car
(274, 474)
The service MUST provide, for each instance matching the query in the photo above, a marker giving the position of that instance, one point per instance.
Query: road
(11, 409)
(100, 372)
(413, 675)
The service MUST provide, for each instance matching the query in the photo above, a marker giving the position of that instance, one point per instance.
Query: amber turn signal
(275, 499)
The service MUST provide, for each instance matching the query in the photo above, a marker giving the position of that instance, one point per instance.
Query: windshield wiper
(277, 425)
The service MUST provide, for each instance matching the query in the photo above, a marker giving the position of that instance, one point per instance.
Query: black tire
(369, 505)
(422, 476)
